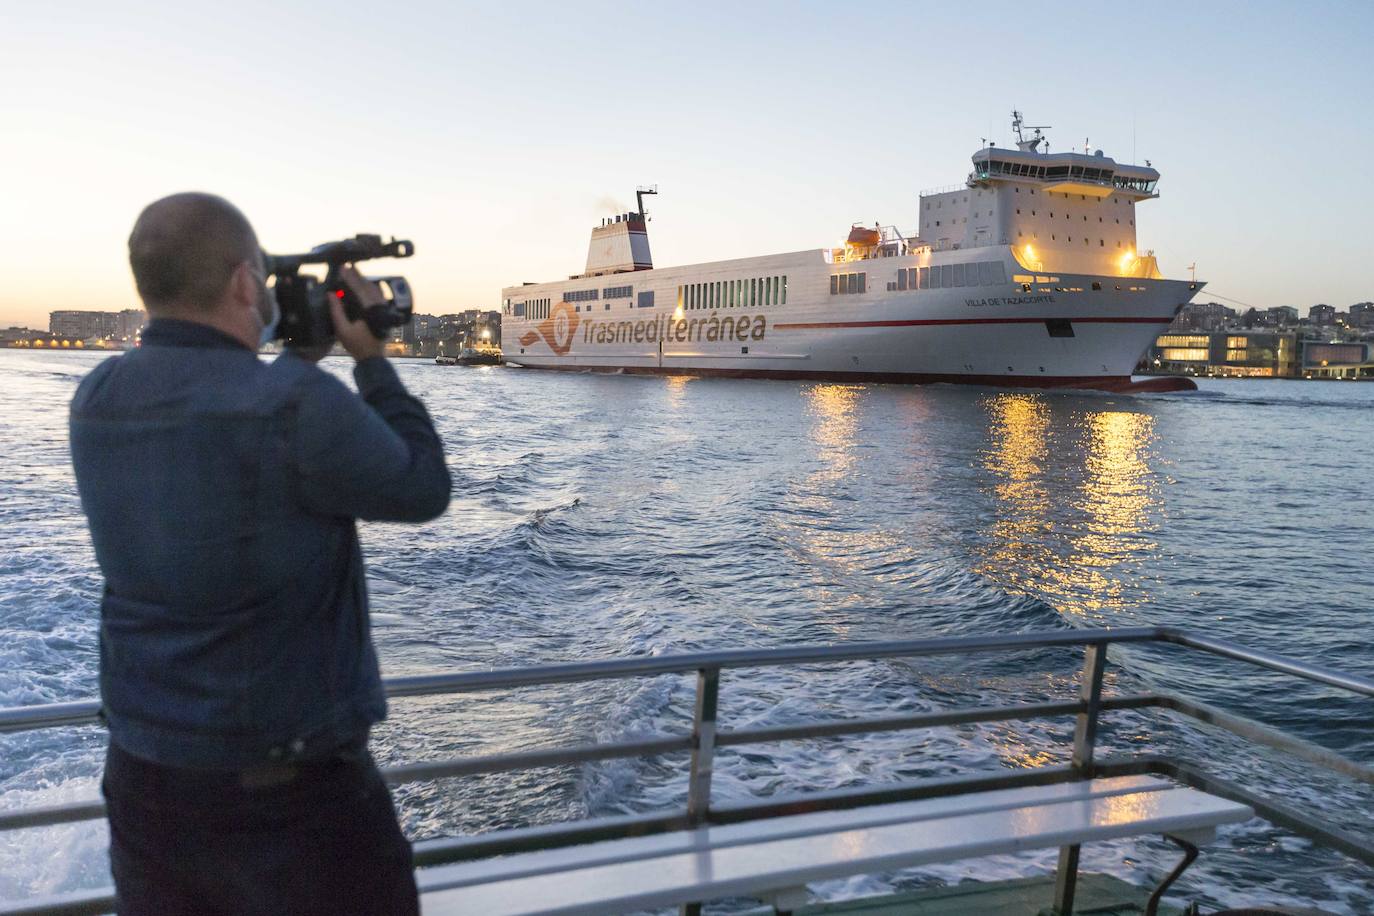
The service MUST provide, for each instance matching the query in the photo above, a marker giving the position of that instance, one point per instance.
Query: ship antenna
(1028, 146)
(639, 199)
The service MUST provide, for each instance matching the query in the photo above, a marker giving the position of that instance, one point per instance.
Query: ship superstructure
(1027, 274)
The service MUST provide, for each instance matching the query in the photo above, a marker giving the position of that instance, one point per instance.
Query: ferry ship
(1025, 275)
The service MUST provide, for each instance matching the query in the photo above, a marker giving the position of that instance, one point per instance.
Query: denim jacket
(221, 493)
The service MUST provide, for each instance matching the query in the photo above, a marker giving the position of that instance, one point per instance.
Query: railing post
(703, 746)
(703, 757)
(1084, 744)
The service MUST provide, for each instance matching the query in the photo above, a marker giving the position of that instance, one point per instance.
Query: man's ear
(243, 286)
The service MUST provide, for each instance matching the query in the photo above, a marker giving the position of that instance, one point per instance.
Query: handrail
(705, 738)
(21, 718)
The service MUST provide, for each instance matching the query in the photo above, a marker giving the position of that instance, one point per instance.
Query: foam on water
(598, 516)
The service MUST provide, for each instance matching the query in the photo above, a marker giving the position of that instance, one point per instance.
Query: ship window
(784, 290)
(753, 292)
(1101, 243)
(930, 278)
(680, 303)
(937, 222)
(901, 279)
(946, 275)
(834, 284)
(646, 299)
(958, 275)
(863, 283)
(844, 283)
(608, 306)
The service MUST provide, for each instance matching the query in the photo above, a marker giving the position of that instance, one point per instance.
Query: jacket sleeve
(372, 457)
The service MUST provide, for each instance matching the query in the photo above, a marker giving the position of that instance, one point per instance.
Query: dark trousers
(317, 837)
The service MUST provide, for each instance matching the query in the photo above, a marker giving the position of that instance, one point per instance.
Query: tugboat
(484, 354)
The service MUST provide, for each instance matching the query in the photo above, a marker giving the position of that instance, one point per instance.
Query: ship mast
(1028, 146)
(639, 199)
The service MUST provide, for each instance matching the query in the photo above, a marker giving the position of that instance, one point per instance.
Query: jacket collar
(177, 332)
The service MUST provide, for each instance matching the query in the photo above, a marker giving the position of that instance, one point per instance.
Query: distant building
(130, 324)
(1259, 354)
(1204, 316)
(1281, 316)
(1322, 315)
(81, 325)
(1337, 360)
(86, 325)
(12, 335)
(1362, 315)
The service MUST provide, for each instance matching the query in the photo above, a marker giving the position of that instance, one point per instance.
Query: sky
(496, 135)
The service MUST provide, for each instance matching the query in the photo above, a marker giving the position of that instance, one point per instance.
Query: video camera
(304, 300)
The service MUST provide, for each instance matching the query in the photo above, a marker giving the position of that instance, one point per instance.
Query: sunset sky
(496, 135)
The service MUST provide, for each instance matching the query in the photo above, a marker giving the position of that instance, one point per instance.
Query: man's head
(195, 256)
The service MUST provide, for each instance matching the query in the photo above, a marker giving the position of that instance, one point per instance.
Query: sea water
(598, 516)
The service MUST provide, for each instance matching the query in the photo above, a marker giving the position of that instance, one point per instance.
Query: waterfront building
(83, 324)
(1180, 354)
(1337, 359)
(1259, 354)
(129, 324)
(12, 336)
(1322, 315)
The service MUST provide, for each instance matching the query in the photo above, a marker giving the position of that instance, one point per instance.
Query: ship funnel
(621, 244)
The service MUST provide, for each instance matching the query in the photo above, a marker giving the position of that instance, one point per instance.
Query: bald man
(237, 673)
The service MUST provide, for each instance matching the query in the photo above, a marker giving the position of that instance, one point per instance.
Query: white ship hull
(998, 334)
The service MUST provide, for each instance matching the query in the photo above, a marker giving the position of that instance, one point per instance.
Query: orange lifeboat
(859, 237)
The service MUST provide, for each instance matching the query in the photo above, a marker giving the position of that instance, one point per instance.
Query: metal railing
(706, 738)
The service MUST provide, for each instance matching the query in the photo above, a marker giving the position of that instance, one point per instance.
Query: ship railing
(944, 189)
(705, 739)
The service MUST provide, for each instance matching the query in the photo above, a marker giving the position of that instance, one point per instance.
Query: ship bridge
(1070, 211)
(1094, 175)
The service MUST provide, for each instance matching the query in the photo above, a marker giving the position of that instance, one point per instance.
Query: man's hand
(355, 336)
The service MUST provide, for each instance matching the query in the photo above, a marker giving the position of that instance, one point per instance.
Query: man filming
(237, 673)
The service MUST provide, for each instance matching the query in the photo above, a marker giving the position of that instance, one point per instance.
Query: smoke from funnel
(608, 204)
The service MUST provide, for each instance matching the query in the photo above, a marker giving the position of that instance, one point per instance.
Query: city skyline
(495, 138)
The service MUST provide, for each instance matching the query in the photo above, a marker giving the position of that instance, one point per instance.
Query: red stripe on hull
(916, 322)
(1114, 383)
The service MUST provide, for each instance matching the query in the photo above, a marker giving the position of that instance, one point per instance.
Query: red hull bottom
(1114, 383)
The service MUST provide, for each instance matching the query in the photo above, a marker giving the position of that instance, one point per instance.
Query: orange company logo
(557, 330)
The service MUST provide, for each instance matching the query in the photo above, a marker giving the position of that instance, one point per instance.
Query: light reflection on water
(606, 516)
(1075, 500)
